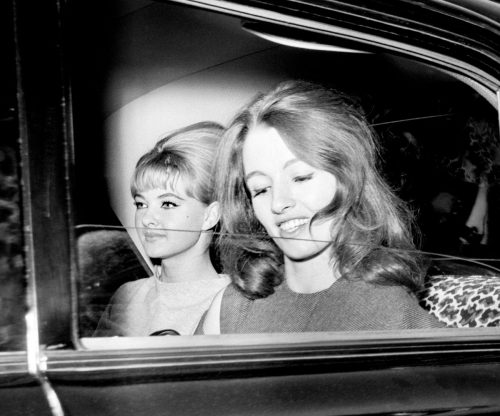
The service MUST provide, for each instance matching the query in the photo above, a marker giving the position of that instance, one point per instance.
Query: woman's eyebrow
(287, 164)
(254, 173)
(170, 194)
(290, 162)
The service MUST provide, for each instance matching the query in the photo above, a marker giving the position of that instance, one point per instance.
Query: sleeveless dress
(143, 306)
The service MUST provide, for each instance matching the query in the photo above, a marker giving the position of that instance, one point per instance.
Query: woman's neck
(310, 276)
(196, 267)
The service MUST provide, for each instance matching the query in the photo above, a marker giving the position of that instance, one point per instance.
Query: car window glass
(440, 149)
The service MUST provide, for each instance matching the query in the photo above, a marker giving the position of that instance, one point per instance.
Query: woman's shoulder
(372, 292)
(129, 289)
(225, 278)
(135, 284)
(223, 281)
(393, 306)
(233, 297)
(211, 320)
(233, 301)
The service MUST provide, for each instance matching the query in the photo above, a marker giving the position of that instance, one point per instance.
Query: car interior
(145, 72)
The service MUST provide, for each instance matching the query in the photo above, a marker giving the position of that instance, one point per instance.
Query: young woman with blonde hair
(176, 212)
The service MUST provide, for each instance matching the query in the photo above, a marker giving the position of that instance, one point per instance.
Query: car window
(152, 73)
(12, 278)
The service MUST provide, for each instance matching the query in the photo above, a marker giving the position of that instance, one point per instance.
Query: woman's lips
(291, 226)
(149, 235)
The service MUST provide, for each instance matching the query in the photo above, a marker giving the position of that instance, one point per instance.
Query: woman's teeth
(292, 225)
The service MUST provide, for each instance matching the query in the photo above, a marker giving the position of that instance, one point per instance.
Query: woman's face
(286, 193)
(161, 211)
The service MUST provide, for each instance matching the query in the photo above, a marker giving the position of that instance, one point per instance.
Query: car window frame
(482, 82)
(57, 329)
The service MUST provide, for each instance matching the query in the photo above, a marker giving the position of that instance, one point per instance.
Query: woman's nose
(282, 198)
(149, 218)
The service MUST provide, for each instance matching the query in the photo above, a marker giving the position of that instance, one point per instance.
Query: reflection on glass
(107, 259)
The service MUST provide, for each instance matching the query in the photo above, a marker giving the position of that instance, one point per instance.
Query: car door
(20, 390)
(77, 101)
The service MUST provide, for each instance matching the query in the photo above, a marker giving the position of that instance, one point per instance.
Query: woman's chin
(156, 253)
(303, 250)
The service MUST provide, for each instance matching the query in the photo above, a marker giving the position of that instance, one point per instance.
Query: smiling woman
(339, 254)
(286, 194)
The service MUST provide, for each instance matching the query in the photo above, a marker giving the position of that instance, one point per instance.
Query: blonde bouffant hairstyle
(188, 152)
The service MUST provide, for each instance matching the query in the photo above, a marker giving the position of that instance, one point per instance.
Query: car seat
(463, 301)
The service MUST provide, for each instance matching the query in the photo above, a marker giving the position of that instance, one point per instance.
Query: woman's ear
(212, 216)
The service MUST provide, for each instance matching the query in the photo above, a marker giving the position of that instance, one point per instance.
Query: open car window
(152, 74)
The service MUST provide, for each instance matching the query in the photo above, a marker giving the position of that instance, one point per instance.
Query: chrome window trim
(436, 59)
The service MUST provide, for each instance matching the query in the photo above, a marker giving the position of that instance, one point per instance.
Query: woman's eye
(303, 178)
(168, 204)
(139, 205)
(260, 191)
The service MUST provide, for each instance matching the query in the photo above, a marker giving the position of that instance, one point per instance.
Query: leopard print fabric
(463, 301)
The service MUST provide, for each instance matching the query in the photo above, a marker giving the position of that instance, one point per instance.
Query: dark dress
(345, 306)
